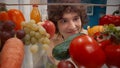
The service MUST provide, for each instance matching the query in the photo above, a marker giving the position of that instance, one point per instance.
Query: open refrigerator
(39, 59)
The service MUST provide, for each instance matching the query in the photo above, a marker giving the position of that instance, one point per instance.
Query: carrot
(12, 54)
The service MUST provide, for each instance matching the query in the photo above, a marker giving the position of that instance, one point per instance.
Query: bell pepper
(14, 15)
(3, 6)
(4, 16)
(17, 17)
(110, 19)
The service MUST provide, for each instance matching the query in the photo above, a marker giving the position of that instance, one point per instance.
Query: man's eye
(76, 19)
(63, 21)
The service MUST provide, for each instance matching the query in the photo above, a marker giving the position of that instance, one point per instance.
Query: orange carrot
(12, 54)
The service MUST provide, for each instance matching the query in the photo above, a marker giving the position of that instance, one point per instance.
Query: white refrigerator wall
(111, 9)
(11, 2)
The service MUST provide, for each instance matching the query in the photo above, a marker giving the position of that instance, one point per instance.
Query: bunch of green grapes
(35, 34)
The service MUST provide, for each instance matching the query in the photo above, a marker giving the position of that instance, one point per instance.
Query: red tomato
(86, 52)
(104, 43)
(65, 64)
(102, 39)
(50, 27)
(100, 36)
(113, 55)
(110, 19)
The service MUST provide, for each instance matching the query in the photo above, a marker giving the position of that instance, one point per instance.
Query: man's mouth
(72, 32)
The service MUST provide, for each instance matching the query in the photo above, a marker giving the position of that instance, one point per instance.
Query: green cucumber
(61, 51)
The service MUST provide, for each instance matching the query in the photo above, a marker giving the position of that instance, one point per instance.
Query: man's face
(69, 24)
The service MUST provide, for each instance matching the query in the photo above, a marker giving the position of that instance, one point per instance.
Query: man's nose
(72, 25)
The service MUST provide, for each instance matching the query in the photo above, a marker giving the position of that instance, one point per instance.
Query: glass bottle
(35, 14)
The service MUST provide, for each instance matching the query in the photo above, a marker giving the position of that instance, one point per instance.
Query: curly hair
(55, 13)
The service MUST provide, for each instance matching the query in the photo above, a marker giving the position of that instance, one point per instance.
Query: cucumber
(61, 51)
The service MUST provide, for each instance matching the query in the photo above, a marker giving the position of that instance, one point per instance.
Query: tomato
(98, 36)
(112, 52)
(110, 19)
(65, 64)
(49, 26)
(102, 39)
(86, 52)
(104, 43)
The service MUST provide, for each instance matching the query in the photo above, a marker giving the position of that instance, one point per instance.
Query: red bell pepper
(17, 17)
(14, 15)
(110, 19)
